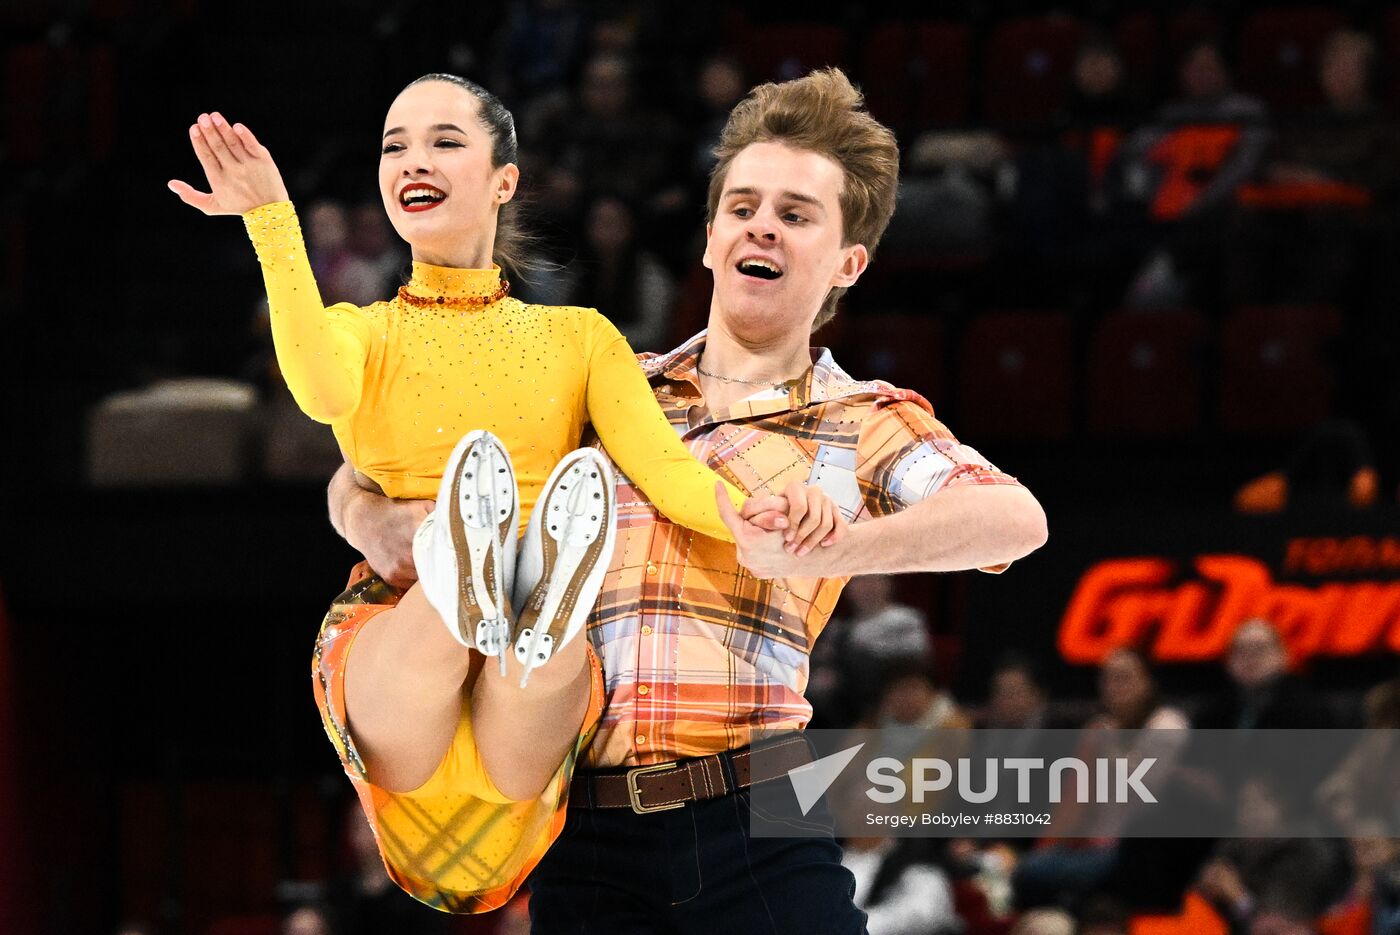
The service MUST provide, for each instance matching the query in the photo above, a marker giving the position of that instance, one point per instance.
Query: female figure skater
(462, 777)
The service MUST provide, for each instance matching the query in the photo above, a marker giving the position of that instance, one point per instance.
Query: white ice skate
(568, 546)
(465, 549)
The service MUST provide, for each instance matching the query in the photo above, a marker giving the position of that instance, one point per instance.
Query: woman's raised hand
(240, 170)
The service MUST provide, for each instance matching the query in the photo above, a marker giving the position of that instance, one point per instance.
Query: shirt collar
(823, 382)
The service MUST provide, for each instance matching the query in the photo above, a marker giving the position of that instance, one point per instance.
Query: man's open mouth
(421, 197)
(759, 269)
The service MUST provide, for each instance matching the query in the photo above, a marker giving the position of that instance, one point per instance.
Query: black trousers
(695, 869)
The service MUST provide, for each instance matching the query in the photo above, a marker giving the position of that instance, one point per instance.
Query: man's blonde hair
(825, 114)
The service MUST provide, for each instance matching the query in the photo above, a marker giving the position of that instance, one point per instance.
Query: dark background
(164, 750)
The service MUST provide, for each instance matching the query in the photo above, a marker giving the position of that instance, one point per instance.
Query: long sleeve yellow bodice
(400, 383)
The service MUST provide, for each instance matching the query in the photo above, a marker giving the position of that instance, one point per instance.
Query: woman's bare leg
(523, 734)
(563, 557)
(405, 682)
(404, 688)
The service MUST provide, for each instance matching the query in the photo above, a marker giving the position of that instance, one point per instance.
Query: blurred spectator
(945, 206)
(870, 634)
(1363, 789)
(355, 256)
(1044, 922)
(328, 247)
(1260, 873)
(1351, 141)
(1385, 890)
(1263, 694)
(1018, 710)
(1331, 468)
(366, 901)
(1103, 915)
(1129, 696)
(1098, 96)
(1309, 232)
(1064, 874)
(914, 718)
(1278, 923)
(614, 275)
(719, 86)
(135, 928)
(880, 630)
(1017, 698)
(371, 273)
(981, 872)
(1185, 168)
(602, 141)
(1067, 225)
(617, 33)
(537, 49)
(917, 718)
(900, 886)
(1376, 873)
(307, 920)
(909, 698)
(1197, 151)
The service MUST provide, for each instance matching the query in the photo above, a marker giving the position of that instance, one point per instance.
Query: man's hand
(772, 549)
(806, 514)
(379, 528)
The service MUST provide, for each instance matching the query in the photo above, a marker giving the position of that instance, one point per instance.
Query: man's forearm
(953, 530)
(339, 493)
(379, 528)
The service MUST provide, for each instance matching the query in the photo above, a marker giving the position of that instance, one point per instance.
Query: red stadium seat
(1029, 61)
(80, 78)
(790, 50)
(906, 350)
(1274, 379)
(1278, 54)
(1014, 376)
(225, 836)
(1144, 375)
(944, 62)
(918, 72)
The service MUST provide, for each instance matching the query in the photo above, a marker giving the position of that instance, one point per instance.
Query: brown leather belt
(664, 786)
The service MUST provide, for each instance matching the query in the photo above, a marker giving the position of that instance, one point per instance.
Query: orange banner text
(1145, 602)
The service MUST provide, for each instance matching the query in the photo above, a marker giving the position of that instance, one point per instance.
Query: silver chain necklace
(777, 385)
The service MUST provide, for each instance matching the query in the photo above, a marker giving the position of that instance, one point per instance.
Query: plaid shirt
(697, 653)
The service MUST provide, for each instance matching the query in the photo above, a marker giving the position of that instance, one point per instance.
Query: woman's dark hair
(512, 241)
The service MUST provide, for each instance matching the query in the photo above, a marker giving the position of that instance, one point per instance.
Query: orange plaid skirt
(455, 843)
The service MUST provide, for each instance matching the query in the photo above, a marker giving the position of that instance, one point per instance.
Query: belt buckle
(634, 794)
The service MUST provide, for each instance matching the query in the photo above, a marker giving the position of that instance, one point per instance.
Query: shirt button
(642, 690)
(641, 738)
(651, 568)
(646, 629)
